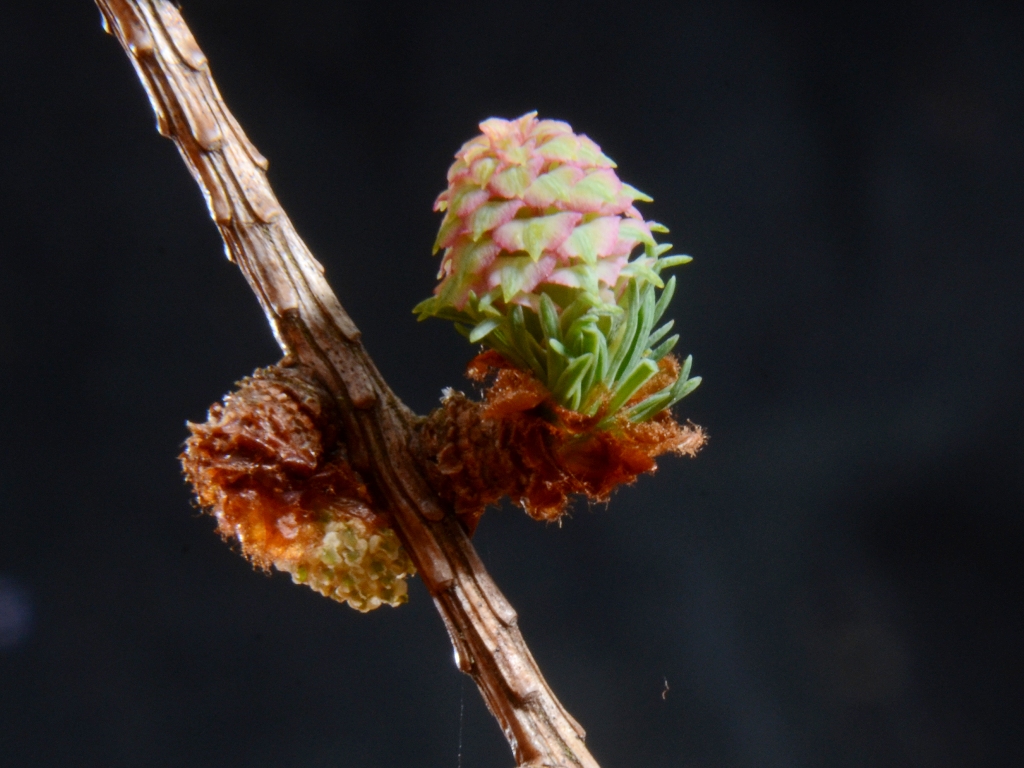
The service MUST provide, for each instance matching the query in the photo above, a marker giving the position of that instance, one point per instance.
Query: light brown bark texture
(313, 329)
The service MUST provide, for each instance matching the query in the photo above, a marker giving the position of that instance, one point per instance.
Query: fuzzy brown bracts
(518, 443)
(270, 467)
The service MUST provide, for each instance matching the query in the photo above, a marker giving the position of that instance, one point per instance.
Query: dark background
(835, 581)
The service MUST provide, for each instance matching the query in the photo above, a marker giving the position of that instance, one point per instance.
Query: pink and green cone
(537, 237)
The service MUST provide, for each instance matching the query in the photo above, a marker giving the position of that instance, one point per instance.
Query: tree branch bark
(313, 329)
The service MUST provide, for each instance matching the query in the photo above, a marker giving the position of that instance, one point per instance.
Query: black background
(835, 581)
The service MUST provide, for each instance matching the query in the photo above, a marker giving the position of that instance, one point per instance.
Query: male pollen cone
(268, 465)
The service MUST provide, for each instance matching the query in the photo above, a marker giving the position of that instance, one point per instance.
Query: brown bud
(518, 443)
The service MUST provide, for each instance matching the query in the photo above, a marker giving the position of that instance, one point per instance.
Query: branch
(314, 330)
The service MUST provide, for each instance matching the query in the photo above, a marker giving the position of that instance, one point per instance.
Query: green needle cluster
(590, 354)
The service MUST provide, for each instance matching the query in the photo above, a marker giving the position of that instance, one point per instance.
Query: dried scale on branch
(520, 444)
(316, 468)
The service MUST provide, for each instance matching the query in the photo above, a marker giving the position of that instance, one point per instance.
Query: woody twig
(317, 335)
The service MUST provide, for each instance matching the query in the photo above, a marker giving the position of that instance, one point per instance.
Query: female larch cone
(537, 236)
